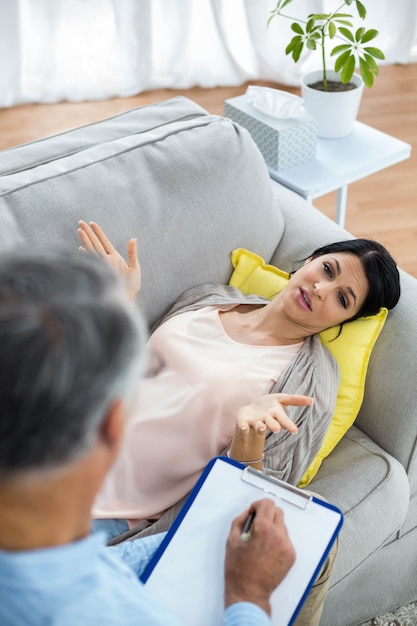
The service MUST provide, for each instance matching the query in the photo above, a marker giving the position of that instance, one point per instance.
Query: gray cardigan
(313, 372)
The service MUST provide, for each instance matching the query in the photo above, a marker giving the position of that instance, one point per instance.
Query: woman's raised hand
(267, 412)
(94, 239)
(254, 420)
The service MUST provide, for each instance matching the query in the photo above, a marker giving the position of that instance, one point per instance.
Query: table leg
(341, 205)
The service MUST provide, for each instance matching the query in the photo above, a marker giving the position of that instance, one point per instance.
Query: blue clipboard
(186, 572)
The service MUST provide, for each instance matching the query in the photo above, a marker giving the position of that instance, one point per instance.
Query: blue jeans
(110, 527)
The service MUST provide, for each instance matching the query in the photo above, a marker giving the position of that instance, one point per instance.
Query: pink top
(185, 414)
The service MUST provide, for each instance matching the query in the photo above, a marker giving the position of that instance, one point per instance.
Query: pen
(247, 527)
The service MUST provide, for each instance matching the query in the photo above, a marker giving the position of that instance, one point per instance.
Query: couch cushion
(129, 173)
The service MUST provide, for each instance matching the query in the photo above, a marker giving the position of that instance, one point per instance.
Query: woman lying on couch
(228, 365)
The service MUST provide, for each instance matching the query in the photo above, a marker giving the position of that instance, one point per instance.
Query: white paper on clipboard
(187, 572)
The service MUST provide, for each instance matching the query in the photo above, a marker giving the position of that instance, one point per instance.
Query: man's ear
(113, 425)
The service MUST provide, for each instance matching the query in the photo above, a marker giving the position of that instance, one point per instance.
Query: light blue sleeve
(245, 614)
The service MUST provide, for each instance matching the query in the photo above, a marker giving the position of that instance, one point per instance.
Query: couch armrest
(371, 488)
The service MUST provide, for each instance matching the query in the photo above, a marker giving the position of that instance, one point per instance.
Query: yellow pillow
(351, 349)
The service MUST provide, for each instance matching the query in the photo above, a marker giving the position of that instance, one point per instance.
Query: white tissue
(276, 103)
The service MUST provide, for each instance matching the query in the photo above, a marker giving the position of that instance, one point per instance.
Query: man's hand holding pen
(259, 554)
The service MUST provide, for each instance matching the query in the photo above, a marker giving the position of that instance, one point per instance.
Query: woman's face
(326, 291)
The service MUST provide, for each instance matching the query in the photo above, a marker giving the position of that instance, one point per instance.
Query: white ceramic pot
(335, 111)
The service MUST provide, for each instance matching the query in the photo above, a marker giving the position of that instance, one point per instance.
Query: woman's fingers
(132, 253)
(94, 238)
(133, 270)
(89, 239)
(85, 239)
(267, 412)
(288, 399)
(246, 429)
(273, 421)
(101, 238)
(277, 421)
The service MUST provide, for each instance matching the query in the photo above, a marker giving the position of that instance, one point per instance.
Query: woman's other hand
(267, 412)
(254, 420)
(94, 239)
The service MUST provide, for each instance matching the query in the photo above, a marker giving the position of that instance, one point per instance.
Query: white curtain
(75, 50)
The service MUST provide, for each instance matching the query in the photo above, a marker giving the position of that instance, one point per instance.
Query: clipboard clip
(276, 487)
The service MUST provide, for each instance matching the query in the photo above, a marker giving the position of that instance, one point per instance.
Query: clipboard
(186, 573)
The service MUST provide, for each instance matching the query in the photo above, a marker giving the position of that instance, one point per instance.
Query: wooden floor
(382, 206)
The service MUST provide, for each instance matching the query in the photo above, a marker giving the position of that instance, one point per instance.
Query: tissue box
(282, 142)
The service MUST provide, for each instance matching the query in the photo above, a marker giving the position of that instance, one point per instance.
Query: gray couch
(192, 187)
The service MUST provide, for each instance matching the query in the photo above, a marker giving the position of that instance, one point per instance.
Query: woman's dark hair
(380, 270)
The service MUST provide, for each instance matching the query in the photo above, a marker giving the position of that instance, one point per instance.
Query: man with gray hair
(71, 350)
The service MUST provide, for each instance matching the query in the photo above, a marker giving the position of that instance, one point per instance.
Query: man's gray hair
(70, 344)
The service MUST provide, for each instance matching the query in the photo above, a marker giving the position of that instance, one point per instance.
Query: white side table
(342, 161)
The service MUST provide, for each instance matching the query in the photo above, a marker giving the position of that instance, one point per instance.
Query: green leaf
(367, 76)
(373, 66)
(348, 2)
(284, 4)
(311, 44)
(375, 52)
(346, 33)
(332, 30)
(359, 33)
(320, 16)
(297, 28)
(348, 69)
(297, 51)
(294, 41)
(369, 34)
(339, 49)
(341, 15)
(281, 4)
(276, 12)
(342, 60)
(310, 25)
(345, 22)
(361, 9)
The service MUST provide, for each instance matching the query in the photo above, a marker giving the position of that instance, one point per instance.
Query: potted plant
(351, 50)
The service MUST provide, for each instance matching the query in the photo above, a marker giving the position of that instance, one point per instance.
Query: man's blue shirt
(86, 582)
